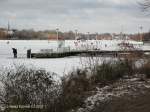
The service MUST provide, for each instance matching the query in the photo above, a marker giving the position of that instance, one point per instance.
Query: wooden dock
(86, 53)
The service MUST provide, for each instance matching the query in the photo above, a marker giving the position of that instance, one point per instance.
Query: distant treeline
(42, 35)
(31, 34)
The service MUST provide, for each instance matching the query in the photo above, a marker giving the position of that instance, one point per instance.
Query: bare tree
(145, 4)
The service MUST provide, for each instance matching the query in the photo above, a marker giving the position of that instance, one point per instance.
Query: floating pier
(86, 53)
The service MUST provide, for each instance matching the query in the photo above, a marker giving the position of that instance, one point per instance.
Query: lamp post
(76, 33)
(7, 27)
(96, 35)
(141, 28)
(88, 35)
(57, 30)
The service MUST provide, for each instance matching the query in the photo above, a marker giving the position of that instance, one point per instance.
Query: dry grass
(145, 69)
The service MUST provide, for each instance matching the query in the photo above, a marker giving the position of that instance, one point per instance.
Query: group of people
(15, 53)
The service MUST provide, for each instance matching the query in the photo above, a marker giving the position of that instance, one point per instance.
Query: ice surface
(60, 65)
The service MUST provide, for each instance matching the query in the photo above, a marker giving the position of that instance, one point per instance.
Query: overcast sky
(85, 15)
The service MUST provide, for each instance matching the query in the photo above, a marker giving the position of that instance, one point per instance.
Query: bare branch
(145, 5)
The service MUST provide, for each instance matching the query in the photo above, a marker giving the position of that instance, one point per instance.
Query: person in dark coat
(14, 52)
(29, 53)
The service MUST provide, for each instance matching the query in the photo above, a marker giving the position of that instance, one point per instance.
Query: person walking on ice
(29, 53)
(14, 52)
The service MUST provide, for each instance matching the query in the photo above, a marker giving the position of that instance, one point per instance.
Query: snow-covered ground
(37, 45)
(59, 66)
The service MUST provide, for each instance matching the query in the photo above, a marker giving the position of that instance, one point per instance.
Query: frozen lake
(60, 66)
(36, 45)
